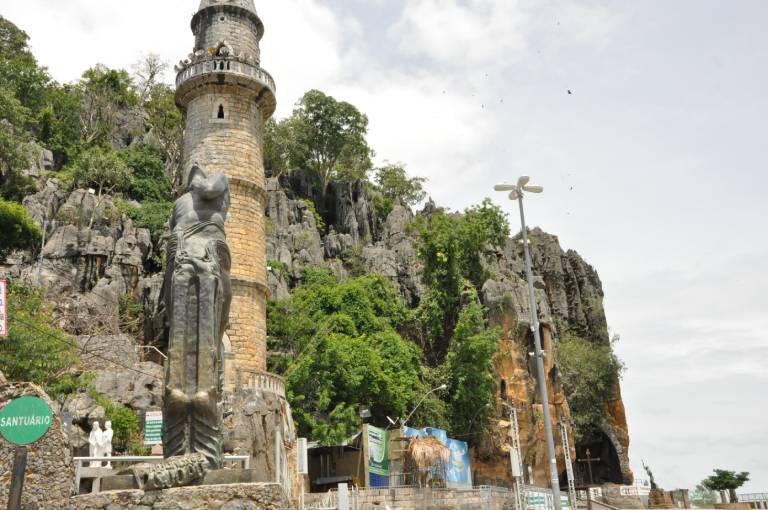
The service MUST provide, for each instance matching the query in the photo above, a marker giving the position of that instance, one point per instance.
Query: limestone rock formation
(90, 269)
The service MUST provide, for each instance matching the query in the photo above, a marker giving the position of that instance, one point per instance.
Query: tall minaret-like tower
(226, 97)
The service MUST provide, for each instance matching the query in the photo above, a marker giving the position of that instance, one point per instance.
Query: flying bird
(570, 92)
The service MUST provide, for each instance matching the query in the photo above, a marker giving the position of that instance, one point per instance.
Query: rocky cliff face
(95, 261)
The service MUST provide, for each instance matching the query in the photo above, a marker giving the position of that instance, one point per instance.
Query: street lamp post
(516, 193)
(441, 387)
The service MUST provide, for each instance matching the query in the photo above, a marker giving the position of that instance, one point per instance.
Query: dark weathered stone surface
(50, 475)
(246, 496)
(198, 292)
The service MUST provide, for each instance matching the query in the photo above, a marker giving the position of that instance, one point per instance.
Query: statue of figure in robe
(105, 449)
(197, 294)
(94, 443)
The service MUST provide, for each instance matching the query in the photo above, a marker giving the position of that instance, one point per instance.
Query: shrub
(18, 231)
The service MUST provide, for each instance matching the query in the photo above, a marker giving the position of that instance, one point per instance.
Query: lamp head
(522, 181)
(504, 187)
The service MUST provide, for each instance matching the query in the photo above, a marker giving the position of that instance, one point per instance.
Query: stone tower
(226, 97)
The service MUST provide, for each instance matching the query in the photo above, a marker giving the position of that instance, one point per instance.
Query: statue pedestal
(252, 496)
(659, 498)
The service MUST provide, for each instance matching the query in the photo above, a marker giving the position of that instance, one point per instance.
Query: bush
(149, 182)
(34, 350)
(152, 215)
(18, 231)
(590, 374)
(341, 349)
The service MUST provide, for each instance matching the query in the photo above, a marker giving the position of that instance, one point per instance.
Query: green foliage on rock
(35, 351)
(452, 247)
(18, 231)
(125, 422)
(470, 363)
(103, 169)
(340, 349)
(148, 178)
(393, 182)
(590, 374)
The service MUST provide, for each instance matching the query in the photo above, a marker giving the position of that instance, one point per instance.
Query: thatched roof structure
(428, 452)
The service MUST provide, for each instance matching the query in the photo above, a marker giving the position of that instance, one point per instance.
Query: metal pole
(554, 479)
(17, 478)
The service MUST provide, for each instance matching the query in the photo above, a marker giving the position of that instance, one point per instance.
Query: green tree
(19, 69)
(166, 124)
(724, 480)
(338, 348)
(394, 183)
(590, 374)
(148, 180)
(279, 141)
(105, 93)
(470, 363)
(58, 122)
(14, 145)
(703, 497)
(104, 170)
(34, 350)
(328, 137)
(18, 231)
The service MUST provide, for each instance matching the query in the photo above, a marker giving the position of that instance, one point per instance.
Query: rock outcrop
(94, 257)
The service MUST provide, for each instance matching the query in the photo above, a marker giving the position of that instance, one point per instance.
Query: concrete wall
(420, 499)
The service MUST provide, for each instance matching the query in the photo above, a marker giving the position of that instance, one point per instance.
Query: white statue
(94, 443)
(105, 449)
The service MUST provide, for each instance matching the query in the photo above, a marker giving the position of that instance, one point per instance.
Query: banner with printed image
(378, 457)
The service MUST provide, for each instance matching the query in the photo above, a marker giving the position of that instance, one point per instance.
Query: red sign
(3, 309)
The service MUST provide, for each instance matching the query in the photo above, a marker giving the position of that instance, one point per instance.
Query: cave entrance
(607, 470)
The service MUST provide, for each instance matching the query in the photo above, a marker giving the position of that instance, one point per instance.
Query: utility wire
(95, 355)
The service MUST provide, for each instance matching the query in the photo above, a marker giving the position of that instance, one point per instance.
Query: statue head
(108, 425)
(96, 425)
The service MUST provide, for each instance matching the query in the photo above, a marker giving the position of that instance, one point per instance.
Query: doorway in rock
(606, 470)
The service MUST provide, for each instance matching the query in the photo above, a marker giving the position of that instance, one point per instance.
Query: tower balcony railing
(224, 65)
(253, 380)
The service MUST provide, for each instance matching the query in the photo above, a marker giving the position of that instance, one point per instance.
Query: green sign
(378, 461)
(25, 420)
(153, 428)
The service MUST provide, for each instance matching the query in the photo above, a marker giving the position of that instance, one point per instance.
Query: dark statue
(650, 475)
(197, 295)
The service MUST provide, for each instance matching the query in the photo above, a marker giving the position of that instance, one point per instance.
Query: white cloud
(462, 33)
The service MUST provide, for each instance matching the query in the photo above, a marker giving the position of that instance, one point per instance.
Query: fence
(757, 500)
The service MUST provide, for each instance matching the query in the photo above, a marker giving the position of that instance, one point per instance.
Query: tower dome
(245, 4)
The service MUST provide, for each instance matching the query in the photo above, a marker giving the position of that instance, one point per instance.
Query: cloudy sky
(655, 166)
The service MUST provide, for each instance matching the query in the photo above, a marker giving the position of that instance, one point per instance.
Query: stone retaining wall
(245, 496)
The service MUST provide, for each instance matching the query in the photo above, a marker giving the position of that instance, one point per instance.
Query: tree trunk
(723, 499)
(734, 498)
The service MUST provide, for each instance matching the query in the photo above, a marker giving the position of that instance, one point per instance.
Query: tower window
(221, 111)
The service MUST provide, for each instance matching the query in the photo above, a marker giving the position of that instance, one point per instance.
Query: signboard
(3, 308)
(378, 459)
(542, 500)
(25, 420)
(153, 428)
(302, 462)
(458, 472)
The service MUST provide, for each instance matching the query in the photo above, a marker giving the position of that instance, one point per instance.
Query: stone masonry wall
(237, 30)
(233, 145)
(50, 475)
